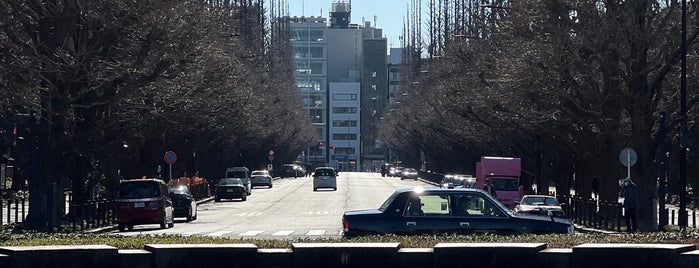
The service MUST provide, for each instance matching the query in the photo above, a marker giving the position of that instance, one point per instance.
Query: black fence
(78, 216)
(13, 210)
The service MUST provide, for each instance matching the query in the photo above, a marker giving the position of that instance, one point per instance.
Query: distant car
(260, 172)
(539, 205)
(230, 188)
(438, 210)
(458, 181)
(261, 180)
(243, 174)
(291, 171)
(408, 174)
(324, 177)
(395, 171)
(183, 202)
(144, 201)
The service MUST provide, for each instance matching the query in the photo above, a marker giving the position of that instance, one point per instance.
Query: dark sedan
(439, 210)
(230, 188)
(183, 202)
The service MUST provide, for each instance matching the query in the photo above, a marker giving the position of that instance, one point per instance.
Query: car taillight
(345, 224)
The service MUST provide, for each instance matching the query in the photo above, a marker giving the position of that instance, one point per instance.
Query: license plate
(229, 190)
(139, 205)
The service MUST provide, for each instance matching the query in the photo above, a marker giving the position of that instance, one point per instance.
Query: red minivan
(144, 201)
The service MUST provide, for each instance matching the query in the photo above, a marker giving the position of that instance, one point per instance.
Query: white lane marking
(316, 232)
(219, 233)
(283, 233)
(250, 233)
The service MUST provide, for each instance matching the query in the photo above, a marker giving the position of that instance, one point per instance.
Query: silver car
(324, 177)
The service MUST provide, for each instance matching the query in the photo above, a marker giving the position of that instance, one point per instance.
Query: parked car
(243, 174)
(539, 205)
(324, 177)
(183, 202)
(230, 188)
(439, 210)
(261, 180)
(144, 201)
(408, 174)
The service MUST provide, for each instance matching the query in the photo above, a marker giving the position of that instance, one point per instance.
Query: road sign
(628, 157)
(170, 157)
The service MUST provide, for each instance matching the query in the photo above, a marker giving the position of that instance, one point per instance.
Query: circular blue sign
(170, 157)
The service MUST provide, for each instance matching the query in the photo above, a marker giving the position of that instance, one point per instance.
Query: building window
(344, 123)
(345, 110)
(345, 137)
(344, 96)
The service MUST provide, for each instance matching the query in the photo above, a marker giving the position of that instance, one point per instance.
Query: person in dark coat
(630, 191)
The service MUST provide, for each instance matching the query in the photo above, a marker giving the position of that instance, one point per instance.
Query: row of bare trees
(115, 84)
(565, 85)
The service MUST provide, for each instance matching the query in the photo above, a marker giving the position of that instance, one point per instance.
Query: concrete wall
(380, 255)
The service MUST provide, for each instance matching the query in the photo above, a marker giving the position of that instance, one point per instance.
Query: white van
(241, 173)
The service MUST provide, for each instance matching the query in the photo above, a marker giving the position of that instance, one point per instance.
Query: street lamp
(683, 122)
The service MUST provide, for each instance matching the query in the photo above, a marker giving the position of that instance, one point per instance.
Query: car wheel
(122, 227)
(315, 189)
(163, 225)
(270, 185)
(217, 200)
(130, 227)
(190, 217)
(172, 224)
(335, 189)
(245, 198)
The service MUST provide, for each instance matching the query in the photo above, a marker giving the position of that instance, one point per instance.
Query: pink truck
(503, 174)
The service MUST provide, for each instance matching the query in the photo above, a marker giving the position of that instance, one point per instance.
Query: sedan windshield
(229, 181)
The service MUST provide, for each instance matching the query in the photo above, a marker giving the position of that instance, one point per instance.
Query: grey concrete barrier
(690, 259)
(75, 256)
(135, 258)
(203, 255)
(367, 255)
(487, 255)
(628, 255)
(275, 257)
(415, 257)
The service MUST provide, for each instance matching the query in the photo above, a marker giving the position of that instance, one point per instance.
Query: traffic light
(320, 144)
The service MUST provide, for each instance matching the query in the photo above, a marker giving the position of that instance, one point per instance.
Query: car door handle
(464, 224)
(411, 223)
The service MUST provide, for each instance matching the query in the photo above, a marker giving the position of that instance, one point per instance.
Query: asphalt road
(288, 210)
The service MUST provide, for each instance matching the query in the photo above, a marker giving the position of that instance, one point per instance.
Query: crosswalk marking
(316, 232)
(250, 233)
(219, 233)
(283, 233)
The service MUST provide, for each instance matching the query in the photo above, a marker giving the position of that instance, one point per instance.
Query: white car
(324, 177)
(260, 172)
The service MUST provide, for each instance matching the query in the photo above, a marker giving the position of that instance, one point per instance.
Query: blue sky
(390, 14)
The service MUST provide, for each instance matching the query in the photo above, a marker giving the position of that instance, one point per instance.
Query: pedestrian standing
(595, 186)
(630, 191)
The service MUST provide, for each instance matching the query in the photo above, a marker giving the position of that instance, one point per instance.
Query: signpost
(628, 158)
(170, 157)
